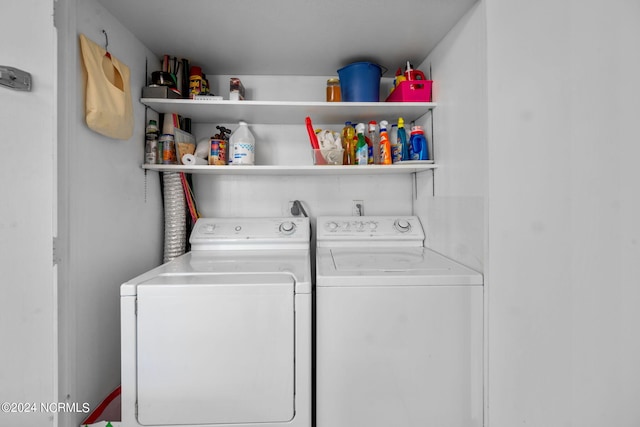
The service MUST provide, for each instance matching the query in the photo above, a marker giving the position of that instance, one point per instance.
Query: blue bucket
(360, 82)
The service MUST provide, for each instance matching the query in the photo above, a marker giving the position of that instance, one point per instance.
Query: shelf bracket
(414, 186)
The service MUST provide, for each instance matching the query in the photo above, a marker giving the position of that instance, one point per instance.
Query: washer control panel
(250, 230)
(370, 228)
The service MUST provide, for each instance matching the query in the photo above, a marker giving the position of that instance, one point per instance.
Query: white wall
(452, 206)
(110, 213)
(27, 287)
(564, 324)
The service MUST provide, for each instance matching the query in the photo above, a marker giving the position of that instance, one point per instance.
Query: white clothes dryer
(398, 328)
(221, 336)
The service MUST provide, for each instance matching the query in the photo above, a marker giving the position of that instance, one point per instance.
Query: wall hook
(106, 44)
(106, 40)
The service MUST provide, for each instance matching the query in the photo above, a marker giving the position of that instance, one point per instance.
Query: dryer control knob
(402, 225)
(287, 227)
(332, 226)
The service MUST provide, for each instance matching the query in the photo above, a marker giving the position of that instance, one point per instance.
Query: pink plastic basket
(412, 91)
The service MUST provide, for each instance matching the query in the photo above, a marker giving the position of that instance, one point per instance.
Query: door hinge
(55, 12)
(55, 250)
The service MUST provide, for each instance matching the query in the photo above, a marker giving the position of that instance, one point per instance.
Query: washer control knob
(402, 225)
(373, 225)
(332, 226)
(287, 227)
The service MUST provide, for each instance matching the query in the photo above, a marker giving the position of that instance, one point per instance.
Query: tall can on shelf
(151, 143)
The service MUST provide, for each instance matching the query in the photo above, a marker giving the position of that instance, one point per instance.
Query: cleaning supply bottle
(399, 78)
(385, 144)
(373, 143)
(197, 84)
(418, 141)
(354, 144)
(348, 135)
(243, 146)
(396, 149)
(362, 149)
(402, 140)
(412, 74)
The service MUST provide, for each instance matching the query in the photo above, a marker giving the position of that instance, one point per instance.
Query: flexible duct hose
(175, 216)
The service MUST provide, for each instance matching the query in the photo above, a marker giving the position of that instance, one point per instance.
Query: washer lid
(374, 266)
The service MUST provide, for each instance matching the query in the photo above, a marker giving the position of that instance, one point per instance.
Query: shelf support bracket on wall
(14, 78)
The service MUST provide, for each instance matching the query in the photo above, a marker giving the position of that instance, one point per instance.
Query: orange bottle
(385, 144)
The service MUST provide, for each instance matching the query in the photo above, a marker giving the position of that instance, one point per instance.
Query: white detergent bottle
(242, 145)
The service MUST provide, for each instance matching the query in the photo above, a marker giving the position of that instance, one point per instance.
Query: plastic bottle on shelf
(418, 141)
(348, 135)
(399, 78)
(243, 146)
(362, 149)
(373, 141)
(402, 140)
(396, 149)
(151, 143)
(197, 83)
(385, 144)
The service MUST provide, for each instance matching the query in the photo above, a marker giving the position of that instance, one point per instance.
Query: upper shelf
(288, 112)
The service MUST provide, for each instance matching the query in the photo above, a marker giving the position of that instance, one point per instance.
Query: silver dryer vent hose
(175, 216)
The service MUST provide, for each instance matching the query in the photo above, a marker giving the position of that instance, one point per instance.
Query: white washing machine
(398, 328)
(221, 336)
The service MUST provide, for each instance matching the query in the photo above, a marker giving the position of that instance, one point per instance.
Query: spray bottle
(385, 144)
(362, 149)
(373, 141)
(396, 149)
(402, 140)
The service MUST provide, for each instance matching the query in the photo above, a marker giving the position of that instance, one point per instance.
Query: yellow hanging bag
(108, 107)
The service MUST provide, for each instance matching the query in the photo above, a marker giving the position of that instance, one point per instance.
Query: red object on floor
(110, 409)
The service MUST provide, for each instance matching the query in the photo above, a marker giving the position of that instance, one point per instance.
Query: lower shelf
(398, 168)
